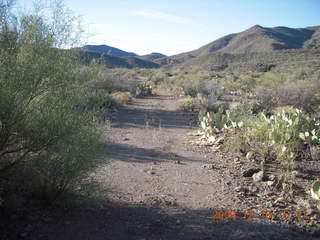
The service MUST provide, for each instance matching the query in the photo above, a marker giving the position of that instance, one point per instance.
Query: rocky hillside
(112, 51)
(255, 39)
(117, 62)
(152, 56)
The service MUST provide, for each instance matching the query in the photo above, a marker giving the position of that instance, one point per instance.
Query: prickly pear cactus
(315, 190)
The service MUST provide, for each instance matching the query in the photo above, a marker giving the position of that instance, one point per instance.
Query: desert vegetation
(51, 106)
(47, 140)
(71, 117)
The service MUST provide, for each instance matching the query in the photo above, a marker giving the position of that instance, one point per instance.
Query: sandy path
(151, 160)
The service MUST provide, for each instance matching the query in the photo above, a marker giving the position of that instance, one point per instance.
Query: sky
(175, 26)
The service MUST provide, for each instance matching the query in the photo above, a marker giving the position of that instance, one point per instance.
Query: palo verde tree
(41, 127)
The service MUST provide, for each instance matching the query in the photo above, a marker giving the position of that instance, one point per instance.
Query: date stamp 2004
(267, 214)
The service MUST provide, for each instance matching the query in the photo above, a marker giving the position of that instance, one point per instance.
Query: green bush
(41, 127)
(217, 106)
(143, 90)
(187, 104)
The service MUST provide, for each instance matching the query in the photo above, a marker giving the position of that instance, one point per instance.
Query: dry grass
(122, 98)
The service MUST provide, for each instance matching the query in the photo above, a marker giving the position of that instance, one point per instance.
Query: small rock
(271, 183)
(269, 204)
(314, 217)
(177, 162)
(270, 193)
(238, 189)
(258, 177)
(178, 222)
(236, 160)
(270, 177)
(126, 139)
(207, 166)
(150, 172)
(253, 189)
(280, 199)
(250, 172)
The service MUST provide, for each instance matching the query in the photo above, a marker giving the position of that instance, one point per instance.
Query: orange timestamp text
(251, 213)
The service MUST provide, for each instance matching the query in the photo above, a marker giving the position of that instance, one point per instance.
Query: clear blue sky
(175, 26)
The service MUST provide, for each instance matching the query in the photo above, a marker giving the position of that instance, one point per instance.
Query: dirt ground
(155, 185)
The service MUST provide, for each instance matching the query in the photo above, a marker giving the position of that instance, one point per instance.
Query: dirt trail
(152, 166)
(151, 160)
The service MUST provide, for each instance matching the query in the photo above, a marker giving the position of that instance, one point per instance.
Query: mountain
(116, 62)
(256, 39)
(116, 58)
(112, 51)
(152, 56)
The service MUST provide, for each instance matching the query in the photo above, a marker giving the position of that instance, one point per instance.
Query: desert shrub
(189, 84)
(111, 79)
(216, 106)
(266, 99)
(64, 164)
(96, 101)
(209, 93)
(143, 89)
(240, 82)
(299, 88)
(300, 94)
(121, 98)
(157, 77)
(187, 104)
(40, 96)
(270, 80)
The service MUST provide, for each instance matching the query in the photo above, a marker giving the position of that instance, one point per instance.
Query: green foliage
(111, 79)
(311, 137)
(42, 124)
(315, 190)
(279, 135)
(96, 101)
(216, 106)
(270, 138)
(222, 119)
(187, 104)
(143, 89)
(208, 125)
(121, 98)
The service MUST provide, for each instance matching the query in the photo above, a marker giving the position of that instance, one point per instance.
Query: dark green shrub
(41, 127)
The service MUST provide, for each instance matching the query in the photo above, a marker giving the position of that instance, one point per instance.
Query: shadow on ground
(130, 153)
(123, 222)
(140, 118)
